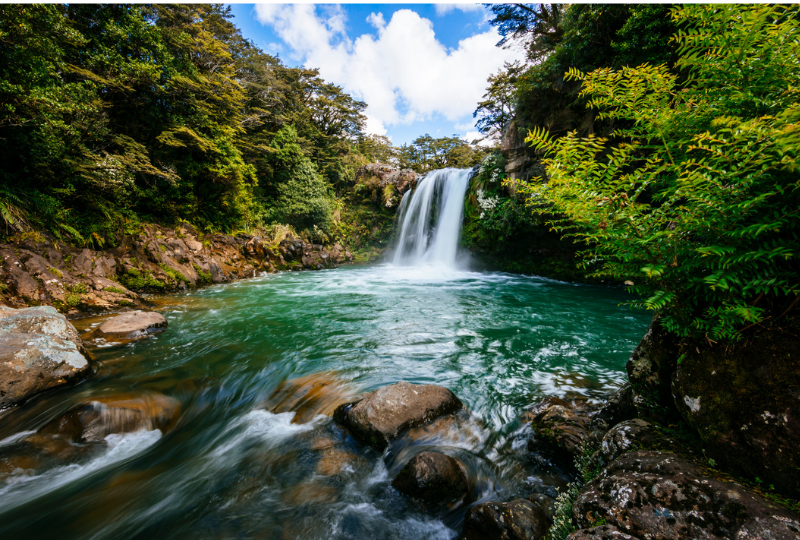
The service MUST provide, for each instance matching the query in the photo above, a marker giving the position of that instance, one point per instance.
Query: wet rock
(561, 429)
(658, 495)
(618, 408)
(335, 462)
(311, 493)
(744, 402)
(93, 420)
(603, 532)
(382, 415)
(433, 477)
(460, 429)
(632, 435)
(309, 396)
(650, 370)
(39, 320)
(516, 520)
(132, 325)
(33, 363)
(547, 504)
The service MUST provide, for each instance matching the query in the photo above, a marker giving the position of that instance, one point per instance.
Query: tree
(497, 107)
(537, 26)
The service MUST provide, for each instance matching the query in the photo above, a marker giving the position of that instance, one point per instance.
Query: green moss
(3, 288)
(136, 280)
(72, 299)
(78, 288)
(162, 247)
(205, 277)
(115, 290)
(55, 271)
(125, 303)
(174, 274)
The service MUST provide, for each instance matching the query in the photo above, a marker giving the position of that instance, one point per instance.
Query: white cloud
(404, 73)
(444, 9)
(374, 126)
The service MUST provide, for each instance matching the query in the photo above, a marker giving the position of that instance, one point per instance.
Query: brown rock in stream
(434, 478)
(132, 325)
(381, 416)
(516, 520)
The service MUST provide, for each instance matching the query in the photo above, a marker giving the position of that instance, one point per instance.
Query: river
(231, 468)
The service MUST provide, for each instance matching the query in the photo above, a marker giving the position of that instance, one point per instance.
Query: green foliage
(176, 276)
(78, 288)
(589, 466)
(426, 153)
(204, 277)
(695, 200)
(136, 280)
(116, 290)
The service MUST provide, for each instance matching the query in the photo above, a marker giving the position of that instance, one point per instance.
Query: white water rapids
(430, 220)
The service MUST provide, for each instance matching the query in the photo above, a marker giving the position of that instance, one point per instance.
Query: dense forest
(116, 115)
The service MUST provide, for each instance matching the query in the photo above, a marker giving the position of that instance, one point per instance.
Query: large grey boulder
(132, 325)
(381, 416)
(39, 350)
(654, 495)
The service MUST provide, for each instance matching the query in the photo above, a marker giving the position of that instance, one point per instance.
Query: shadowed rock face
(561, 428)
(39, 350)
(631, 435)
(744, 402)
(132, 325)
(433, 477)
(516, 520)
(381, 416)
(657, 496)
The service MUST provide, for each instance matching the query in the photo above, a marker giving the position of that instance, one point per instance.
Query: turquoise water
(234, 466)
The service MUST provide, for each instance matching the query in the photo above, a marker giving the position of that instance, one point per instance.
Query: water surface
(230, 468)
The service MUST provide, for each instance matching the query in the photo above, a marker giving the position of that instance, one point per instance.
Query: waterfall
(430, 219)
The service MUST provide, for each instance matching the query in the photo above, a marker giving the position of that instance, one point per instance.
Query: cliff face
(39, 270)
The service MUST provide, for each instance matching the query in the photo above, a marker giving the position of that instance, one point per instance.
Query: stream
(257, 364)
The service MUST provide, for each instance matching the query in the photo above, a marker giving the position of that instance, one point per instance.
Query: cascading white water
(430, 219)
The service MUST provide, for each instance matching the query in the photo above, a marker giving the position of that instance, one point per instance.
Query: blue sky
(420, 68)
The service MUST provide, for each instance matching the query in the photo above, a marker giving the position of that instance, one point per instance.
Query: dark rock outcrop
(602, 532)
(632, 435)
(744, 402)
(132, 325)
(39, 350)
(386, 184)
(654, 495)
(433, 477)
(650, 370)
(516, 520)
(561, 428)
(382, 415)
(621, 406)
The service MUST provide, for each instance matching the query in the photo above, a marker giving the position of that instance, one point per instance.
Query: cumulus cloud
(403, 73)
(444, 9)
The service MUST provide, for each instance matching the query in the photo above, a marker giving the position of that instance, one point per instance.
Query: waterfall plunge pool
(230, 468)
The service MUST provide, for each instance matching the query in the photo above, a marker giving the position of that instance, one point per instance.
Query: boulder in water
(93, 420)
(562, 429)
(516, 520)
(39, 350)
(381, 416)
(434, 478)
(653, 495)
(132, 325)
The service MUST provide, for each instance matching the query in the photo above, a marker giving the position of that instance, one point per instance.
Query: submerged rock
(309, 396)
(381, 416)
(654, 495)
(434, 478)
(516, 520)
(93, 420)
(39, 350)
(132, 325)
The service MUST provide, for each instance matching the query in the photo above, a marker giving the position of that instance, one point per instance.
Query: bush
(695, 204)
